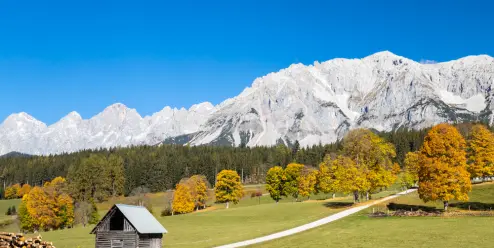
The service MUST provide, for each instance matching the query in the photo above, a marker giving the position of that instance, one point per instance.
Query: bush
(166, 211)
(11, 211)
(5, 223)
(256, 194)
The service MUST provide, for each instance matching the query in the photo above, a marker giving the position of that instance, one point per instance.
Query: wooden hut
(126, 226)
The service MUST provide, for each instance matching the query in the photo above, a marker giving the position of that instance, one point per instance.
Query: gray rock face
(320, 102)
(313, 104)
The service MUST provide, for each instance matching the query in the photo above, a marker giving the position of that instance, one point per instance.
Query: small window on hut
(117, 222)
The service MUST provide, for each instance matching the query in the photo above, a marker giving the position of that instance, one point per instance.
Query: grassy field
(216, 226)
(360, 230)
(5, 204)
(251, 218)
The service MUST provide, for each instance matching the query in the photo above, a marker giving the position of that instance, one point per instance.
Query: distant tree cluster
(442, 167)
(97, 177)
(156, 168)
(447, 161)
(16, 191)
(190, 194)
(295, 180)
(364, 165)
(159, 168)
(47, 208)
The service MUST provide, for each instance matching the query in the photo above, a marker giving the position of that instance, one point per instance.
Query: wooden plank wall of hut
(104, 224)
(127, 226)
(104, 239)
(150, 240)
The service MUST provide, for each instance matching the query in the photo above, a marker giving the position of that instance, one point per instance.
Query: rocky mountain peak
(312, 104)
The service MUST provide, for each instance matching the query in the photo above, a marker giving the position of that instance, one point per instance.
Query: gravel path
(314, 224)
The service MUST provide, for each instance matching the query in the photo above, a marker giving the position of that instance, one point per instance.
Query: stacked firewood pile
(406, 213)
(9, 240)
(411, 213)
(469, 213)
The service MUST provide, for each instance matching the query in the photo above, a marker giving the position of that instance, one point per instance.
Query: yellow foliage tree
(42, 209)
(47, 207)
(307, 182)
(480, 152)
(198, 186)
(183, 202)
(228, 187)
(26, 221)
(349, 177)
(58, 184)
(443, 171)
(65, 210)
(275, 182)
(24, 190)
(326, 181)
(293, 171)
(410, 175)
(12, 192)
(373, 156)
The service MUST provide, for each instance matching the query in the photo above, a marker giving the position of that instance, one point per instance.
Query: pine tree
(114, 171)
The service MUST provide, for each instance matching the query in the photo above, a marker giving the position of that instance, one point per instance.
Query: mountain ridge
(310, 103)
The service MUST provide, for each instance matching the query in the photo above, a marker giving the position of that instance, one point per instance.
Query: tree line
(158, 168)
(363, 163)
(363, 166)
(443, 167)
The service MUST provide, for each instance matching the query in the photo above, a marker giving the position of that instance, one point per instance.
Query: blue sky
(60, 56)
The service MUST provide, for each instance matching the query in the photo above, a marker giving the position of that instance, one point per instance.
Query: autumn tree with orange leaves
(480, 152)
(442, 173)
(13, 191)
(25, 189)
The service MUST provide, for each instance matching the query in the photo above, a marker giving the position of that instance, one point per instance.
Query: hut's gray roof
(142, 220)
(139, 217)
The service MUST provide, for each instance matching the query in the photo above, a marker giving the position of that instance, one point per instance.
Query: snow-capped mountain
(320, 102)
(311, 104)
(117, 125)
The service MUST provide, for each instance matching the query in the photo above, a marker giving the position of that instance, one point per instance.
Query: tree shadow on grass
(395, 206)
(337, 204)
(475, 206)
